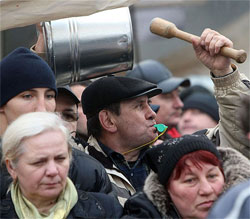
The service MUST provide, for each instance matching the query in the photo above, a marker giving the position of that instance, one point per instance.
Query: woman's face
(43, 167)
(196, 190)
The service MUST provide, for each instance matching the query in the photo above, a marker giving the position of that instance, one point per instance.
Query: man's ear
(107, 121)
(11, 169)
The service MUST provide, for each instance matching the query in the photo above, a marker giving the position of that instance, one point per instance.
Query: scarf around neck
(25, 209)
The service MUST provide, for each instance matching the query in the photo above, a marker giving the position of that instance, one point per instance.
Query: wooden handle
(168, 30)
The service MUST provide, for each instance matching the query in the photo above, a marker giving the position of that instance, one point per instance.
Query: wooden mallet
(167, 29)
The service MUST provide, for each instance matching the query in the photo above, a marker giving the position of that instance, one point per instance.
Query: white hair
(29, 125)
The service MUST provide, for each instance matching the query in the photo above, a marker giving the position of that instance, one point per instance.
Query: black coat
(85, 172)
(89, 205)
(88, 174)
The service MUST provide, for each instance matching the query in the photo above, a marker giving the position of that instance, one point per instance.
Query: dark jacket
(154, 201)
(89, 205)
(86, 173)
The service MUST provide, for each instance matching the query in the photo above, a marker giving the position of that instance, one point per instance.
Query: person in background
(169, 101)
(189, 174)
(200, 110)
(120, 124)
(81, 132)
(28, 85)
(37, 153)
(92, 172)
(66, 106)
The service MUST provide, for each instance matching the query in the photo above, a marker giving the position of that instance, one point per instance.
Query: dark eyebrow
(68, 110)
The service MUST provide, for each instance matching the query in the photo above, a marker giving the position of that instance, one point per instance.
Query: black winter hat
(23, 70)
(113, 89)
(204, 102)
(163, 158)
(154, 72)
(194, 89)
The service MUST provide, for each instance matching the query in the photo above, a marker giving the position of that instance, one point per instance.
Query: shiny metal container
(87, 47)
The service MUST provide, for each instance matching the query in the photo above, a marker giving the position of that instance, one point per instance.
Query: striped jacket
(122, 188)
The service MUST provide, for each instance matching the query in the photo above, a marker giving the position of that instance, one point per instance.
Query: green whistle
(160, 127)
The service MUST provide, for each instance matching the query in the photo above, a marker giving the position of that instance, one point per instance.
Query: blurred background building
(229, 17)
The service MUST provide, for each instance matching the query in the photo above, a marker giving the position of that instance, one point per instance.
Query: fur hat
(23, 70)
(163, 158)
(112, 89)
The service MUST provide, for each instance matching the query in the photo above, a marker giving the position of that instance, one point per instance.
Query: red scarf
(174, 133)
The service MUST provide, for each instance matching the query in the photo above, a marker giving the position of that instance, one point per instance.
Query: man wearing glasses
(67, 108)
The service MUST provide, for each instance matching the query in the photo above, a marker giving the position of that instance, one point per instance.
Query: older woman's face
(196, 190)
(43, 167)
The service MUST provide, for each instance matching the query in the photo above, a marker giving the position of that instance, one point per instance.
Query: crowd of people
(94, 150)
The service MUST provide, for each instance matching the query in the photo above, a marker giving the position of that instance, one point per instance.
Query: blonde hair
(29, 125)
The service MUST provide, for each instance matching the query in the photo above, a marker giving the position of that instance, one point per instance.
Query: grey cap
(67, 90)
(155, 72)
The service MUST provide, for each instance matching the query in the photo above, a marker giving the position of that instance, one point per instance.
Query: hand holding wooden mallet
(167, 29)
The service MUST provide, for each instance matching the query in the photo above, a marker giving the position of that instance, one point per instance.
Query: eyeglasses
(68, 116)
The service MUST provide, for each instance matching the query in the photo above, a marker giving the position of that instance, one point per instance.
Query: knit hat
(163, 158)
(204, 102)
(193, 89)
(154, 72)
(23, 70)
(67, 90)
(112, 89)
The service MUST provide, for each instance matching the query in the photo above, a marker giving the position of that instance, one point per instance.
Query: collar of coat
(236, 169)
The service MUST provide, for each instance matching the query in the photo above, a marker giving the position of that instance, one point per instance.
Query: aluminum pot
(87, 47)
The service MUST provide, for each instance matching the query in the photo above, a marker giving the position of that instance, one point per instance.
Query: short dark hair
(245, 113)
(93, 123)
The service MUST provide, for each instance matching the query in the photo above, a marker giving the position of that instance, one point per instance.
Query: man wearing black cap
(120, 122)
(67, 107)
(169, 101)
(77, 89)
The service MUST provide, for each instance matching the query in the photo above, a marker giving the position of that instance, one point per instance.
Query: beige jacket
(229, 91)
